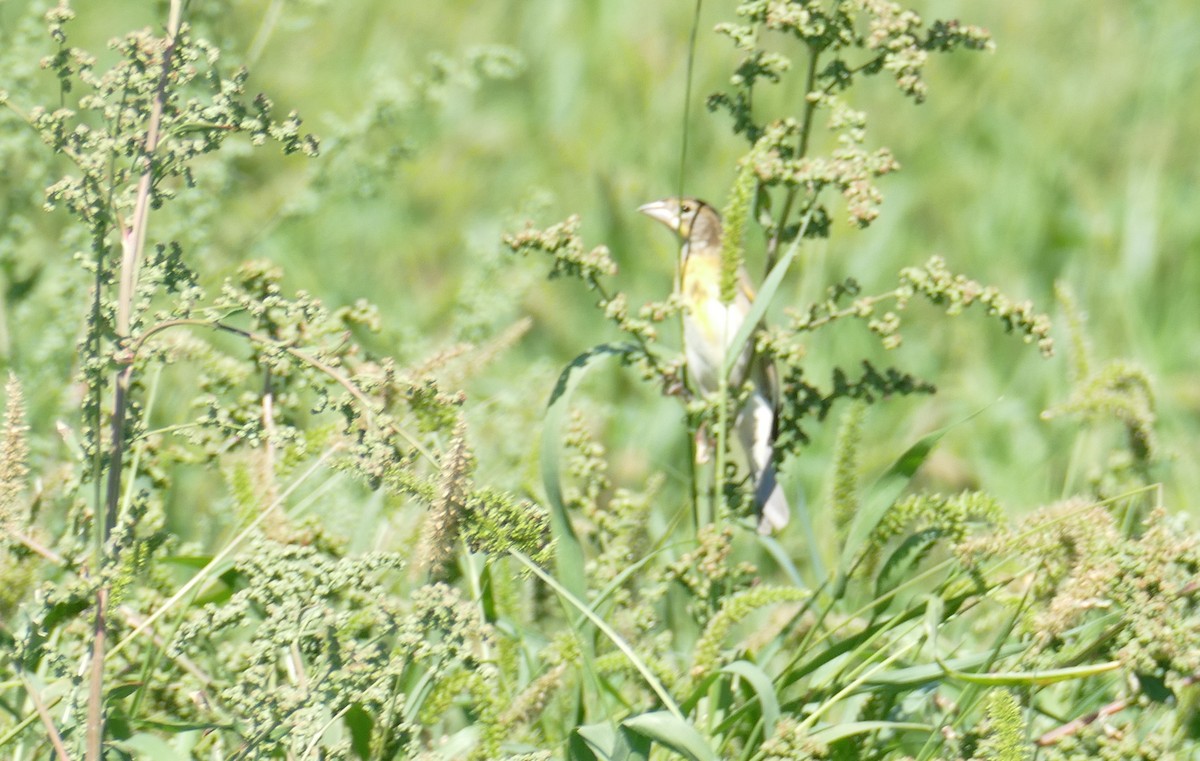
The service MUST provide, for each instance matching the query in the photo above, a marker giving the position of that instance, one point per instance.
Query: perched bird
(709, 327)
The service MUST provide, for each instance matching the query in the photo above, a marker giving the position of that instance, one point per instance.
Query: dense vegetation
(305, 456)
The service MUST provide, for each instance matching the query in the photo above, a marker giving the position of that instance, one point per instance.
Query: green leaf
(763, 688)
(672, 732)
(360, 724)
(178, 727)
(124, 690)
(568, 550)
(882, 495)
(148, 747)
(487, 596)
(836, 649)
(933, 619)
(593, 741)
(631, 746)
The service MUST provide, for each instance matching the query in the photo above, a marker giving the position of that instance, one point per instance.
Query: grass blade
(569, 551)
(651, 680)
(673, 732)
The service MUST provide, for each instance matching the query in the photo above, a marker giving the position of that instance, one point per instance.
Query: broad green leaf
(672, 732)
(593, 741)
(124, 690)
(699, 692)
(459, 745)
(631, 746)
(361, 725)
(148, 747)
(487, 597)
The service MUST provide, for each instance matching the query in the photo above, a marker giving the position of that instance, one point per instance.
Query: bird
(709, 327)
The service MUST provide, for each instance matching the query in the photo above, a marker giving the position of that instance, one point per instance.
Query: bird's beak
(660, 211)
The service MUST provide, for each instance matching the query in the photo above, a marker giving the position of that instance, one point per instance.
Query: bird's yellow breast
(701, 280)
(710, 324)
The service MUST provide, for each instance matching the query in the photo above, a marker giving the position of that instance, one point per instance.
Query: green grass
(1066, 156)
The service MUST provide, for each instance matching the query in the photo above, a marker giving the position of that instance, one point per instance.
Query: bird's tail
(756, 425)
(773, 508)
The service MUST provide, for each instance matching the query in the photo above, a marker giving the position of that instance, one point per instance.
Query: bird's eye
(687, 207)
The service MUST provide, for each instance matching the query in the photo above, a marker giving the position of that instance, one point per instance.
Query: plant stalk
(133, 242)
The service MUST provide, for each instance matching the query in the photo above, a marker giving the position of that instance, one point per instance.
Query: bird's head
(692, 219)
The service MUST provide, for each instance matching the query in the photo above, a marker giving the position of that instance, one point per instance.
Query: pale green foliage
(14, 461)
(1140, 589)
(445, 514)
(733, 244)
(734, 610)
(844, 497)
(562, 243)
(322, 637)
(570, 258)
(1005, 736)
(317, 502)
(708, 573)
(790, 743)
(949, 516)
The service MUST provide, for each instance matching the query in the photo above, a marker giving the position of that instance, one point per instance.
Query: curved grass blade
(569, 551)
(631, 746)
(763, 299)
(906, 557)
(884, 492)
(837, 732)
(763, 688)
(915, 676)
(933, 619)
(651, 680)
(672, 732)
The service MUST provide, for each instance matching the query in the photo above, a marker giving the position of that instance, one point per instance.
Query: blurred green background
(1069, 153)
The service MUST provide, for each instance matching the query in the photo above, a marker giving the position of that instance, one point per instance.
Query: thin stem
(810, 110)
(810, 106)
(718, 497)
(851, 311)
(133, 242)
(37, 547)
(265, 30)
(43, 712)
(683, 152)
(687, 98)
